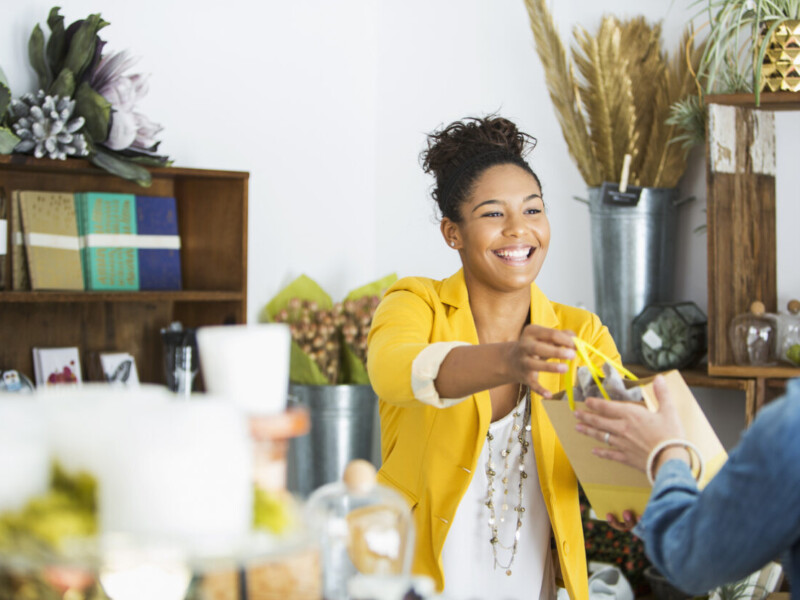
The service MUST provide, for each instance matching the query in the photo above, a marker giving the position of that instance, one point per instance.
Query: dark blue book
(158, 243)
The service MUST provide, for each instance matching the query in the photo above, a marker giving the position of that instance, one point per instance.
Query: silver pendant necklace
(519, 429)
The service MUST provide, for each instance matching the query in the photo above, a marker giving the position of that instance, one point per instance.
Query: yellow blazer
(429, 454)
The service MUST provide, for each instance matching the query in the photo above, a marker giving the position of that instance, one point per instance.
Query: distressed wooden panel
(740, 155)
(212, 212)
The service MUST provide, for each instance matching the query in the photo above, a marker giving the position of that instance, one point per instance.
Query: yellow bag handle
(584, 349)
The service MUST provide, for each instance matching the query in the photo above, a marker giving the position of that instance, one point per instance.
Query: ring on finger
(606, 438)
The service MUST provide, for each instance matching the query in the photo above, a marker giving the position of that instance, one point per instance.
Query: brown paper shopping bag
(612, 487)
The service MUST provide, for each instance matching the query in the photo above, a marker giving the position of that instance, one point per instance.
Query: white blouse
(467, 556)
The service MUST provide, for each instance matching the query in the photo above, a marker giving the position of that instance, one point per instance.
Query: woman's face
(504, 233)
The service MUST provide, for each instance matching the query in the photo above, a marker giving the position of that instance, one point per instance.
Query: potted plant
(612, 97)
(749, 49)
(750, 46)
(86, 103)
(328, 376)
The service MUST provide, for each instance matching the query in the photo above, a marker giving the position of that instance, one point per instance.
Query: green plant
(738, 39)
(329, 339)
(7, 138)
(72, 68)
(739, 590)
(734, 49)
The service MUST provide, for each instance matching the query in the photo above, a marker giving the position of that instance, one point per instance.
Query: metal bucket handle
(676, 204)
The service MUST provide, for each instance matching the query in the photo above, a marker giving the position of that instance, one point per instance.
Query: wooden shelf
(146, 296)
(212, 222)
(773, 372)
(768, 100)
(699, 378)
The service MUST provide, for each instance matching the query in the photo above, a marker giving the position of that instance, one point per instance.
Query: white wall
(326, 105)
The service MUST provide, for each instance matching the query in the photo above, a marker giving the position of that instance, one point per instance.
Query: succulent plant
(46, 127)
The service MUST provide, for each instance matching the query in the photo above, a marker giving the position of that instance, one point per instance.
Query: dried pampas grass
(613, 96)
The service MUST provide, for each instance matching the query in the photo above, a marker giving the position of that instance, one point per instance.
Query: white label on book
(130, 240)
(3, 236)
(110, 240)
(157, 242)
(52, 240)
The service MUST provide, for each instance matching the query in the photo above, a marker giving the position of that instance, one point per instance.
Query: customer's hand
(629, 520)
(533, 354)
(629, 431)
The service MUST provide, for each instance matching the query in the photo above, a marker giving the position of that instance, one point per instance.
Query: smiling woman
(460, 366)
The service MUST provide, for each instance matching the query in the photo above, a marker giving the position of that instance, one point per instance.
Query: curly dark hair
(459, 153)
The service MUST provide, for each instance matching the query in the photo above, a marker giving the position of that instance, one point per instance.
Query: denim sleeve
(746, 516)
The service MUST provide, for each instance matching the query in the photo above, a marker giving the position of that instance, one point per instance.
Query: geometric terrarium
(670, 336)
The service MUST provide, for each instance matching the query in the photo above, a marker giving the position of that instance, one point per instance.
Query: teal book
(108, 236)
(79, 202)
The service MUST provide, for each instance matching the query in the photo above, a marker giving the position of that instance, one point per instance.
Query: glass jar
(670, 336)
(364, 528)
(752, 336)
(787, 336)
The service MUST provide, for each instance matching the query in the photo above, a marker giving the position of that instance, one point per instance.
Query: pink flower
(127, 128)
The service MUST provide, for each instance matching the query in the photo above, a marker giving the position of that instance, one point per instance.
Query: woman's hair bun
(455, 155)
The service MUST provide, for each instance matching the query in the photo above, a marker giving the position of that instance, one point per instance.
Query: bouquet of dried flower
(86, 103)
(619, 101)
(329, 339)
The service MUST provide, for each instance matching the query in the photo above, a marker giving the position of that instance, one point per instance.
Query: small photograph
(119, 368)
(57, 366)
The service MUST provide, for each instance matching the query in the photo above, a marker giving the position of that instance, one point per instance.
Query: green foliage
(738, 39)
(95, 109)
(64, 65)
(57, 41)
(64, 85)
(7, 138)
(689, 115)
(793, 354)
(36, 56)
(120, 167)
(68, 509)
(82, 46)
(272, 511)
(732, 57)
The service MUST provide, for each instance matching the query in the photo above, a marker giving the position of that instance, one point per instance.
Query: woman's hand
(629, 431)
(534, 351)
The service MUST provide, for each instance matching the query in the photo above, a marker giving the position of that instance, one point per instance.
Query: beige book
(19, 264)
(50, 231)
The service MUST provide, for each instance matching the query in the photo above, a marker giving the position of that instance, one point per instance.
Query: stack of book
(93, 241)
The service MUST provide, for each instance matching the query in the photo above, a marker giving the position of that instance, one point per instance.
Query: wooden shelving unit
(742, 253)
(767, 101)
(702, 379)
(212, 222)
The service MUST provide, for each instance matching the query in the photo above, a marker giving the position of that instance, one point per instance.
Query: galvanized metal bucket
(344, 426)
(633, 254)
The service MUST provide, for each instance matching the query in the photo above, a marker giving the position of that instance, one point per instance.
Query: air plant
(733, 56)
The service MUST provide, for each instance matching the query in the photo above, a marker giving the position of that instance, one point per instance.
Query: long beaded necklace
(520, 428)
